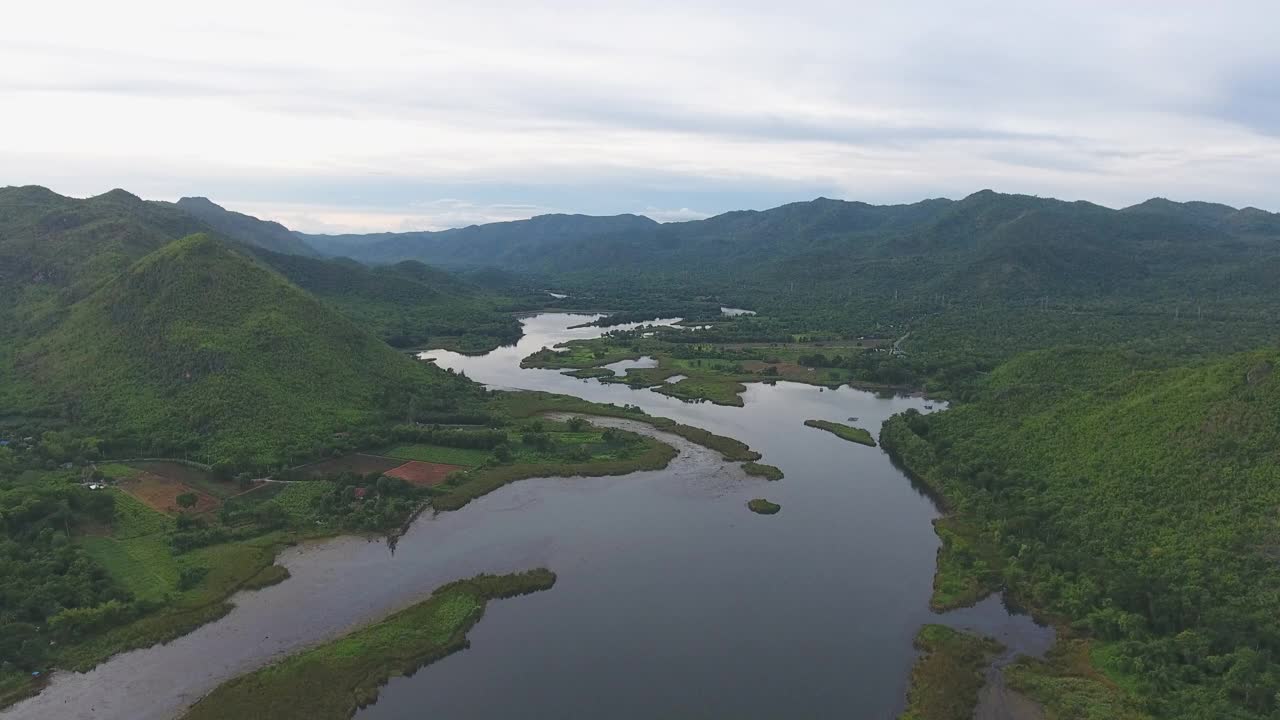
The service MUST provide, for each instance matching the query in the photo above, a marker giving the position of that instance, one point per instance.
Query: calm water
(672, 600)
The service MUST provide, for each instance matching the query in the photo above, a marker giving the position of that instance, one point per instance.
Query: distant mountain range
(986, 245)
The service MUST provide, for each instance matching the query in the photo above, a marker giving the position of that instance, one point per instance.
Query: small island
(760, 506)
(847, 432)
(768, 472)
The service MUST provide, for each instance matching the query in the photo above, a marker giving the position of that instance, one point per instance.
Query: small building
(361, 492)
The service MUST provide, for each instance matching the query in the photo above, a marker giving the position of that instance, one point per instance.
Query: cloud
(394, 114)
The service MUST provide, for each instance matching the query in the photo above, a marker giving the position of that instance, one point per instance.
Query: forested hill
(197, 349)
(206, 348)
(55, 250)
(245, 228)
(1136, 496)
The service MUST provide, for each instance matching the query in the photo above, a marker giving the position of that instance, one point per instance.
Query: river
(672, 600)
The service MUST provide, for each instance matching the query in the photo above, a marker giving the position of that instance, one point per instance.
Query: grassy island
(768, 472)
(845, 432)
(332, 681)
(760, 506)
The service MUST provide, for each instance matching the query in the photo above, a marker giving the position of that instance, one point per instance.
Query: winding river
(672, 600)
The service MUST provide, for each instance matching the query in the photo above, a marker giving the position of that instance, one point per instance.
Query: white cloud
(623, 106)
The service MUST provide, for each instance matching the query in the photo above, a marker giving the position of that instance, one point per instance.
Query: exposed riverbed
(672, 598)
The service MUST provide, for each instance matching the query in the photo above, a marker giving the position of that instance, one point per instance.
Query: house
(361, 492)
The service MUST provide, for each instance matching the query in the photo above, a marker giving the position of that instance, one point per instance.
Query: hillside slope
(407, 304)
(1136, 497)
(198, 349)
(245, 228)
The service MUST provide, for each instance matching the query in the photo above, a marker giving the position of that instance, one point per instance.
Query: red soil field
(161, 493)
(423, 474)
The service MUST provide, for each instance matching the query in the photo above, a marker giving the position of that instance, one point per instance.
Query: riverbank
(333, 680)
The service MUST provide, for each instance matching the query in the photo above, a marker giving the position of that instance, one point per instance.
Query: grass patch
(945, 681)
(300, 500)
(655, 455)
(768, 472)
(440, 454)
(591, 372)
(968, 568)
(145, 566)
(760, 506)
(332, 681)
(134, 519)
(845, 432)
(1069, 685)
(118, 471)
(230, 566)
(528, 404)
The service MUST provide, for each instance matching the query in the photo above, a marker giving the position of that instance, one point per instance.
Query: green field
(439, 454)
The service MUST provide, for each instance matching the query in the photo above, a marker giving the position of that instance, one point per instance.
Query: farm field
(189, 475)
(423, 474)
(161, 493)
(439, 454)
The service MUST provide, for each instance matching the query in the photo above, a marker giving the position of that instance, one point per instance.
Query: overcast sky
(389, 115)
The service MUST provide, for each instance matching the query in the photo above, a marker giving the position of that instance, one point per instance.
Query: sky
(388, 115)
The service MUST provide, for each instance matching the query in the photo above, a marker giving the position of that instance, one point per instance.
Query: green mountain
(245, 228)
(406, 304)
(198, 349)
(55, 250)
(1135, 495)
(204, 347)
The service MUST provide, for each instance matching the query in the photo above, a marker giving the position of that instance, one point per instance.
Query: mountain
(54, 250)
(988, 245)
(245, 228)
(198, 348)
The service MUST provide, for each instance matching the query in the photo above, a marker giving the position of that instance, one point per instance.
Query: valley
(204, 440)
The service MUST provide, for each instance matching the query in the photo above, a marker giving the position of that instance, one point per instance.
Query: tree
(187, 500)
(577, 424)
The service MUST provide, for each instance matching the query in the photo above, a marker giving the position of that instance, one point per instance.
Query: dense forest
(1134, 497)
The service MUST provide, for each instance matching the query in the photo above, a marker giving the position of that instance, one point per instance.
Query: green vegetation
(549, 449)
(1132, 497)
(440, 454)
(408, 304)
(768, 472)
(712, 363)
(335, 679)
(947, 678)
(844, 432)
(529, 404)
(1068, 686)
(760, 506)
(968, 565)
(196, 349)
